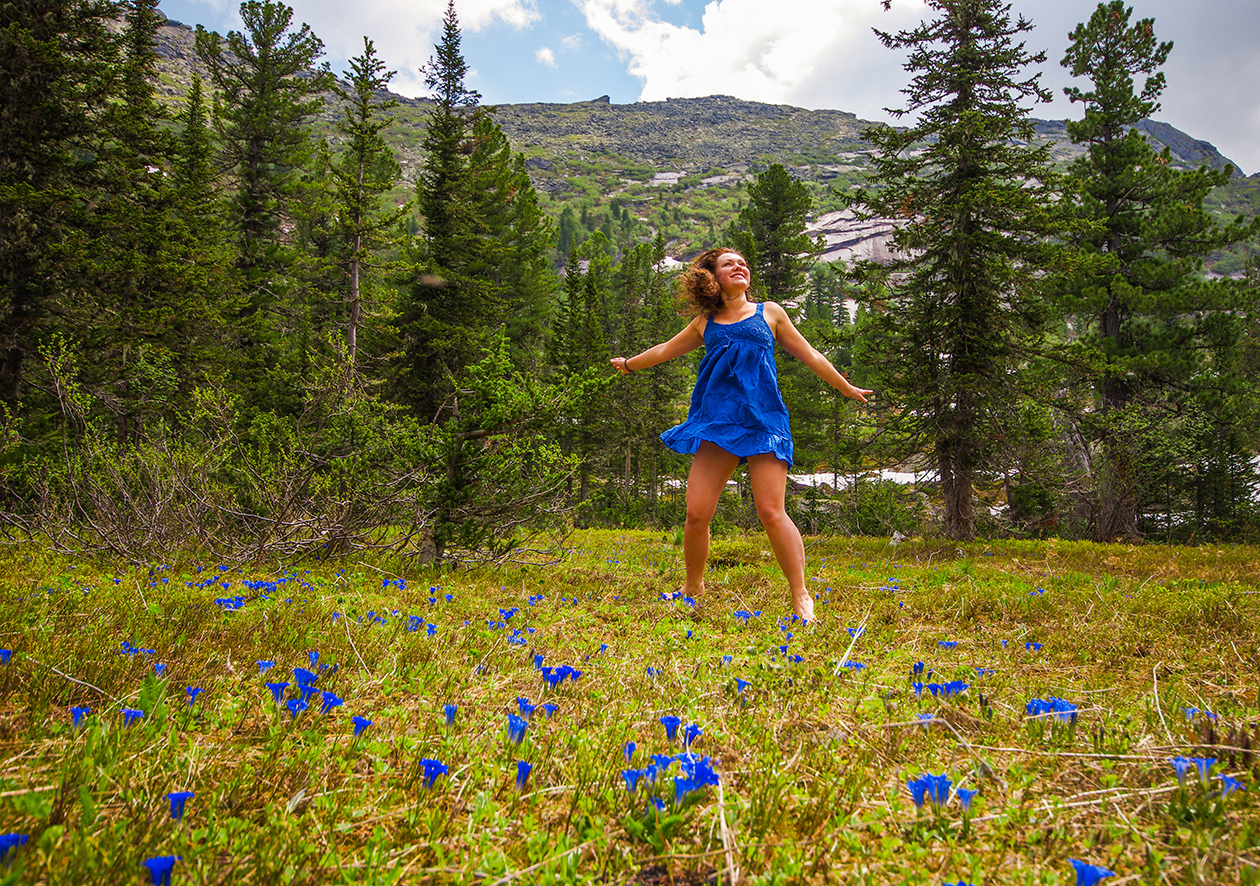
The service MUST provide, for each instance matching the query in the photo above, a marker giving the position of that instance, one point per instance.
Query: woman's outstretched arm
(691, 337)
(787, 335)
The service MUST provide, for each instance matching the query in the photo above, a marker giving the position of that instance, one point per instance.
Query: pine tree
(57, 61)
(365, 170)
(267, 90)
(482, 260)
(770, 232)
(1147, 330)
(972, 194)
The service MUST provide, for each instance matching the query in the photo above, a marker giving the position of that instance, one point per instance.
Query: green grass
(813, 757)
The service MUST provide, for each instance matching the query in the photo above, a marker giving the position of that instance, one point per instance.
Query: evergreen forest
(225, 330)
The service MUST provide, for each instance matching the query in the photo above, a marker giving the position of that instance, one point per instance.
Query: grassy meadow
(809, 746)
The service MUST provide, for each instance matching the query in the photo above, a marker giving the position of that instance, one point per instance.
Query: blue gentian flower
(538, 661)
(947, 644)
(628, 750)
(856, 632)
(671, 724)
(632, 777)
(296, 706)
(1062, 710)
(160, 869)
(432, 769)
(964, 799)
(330, 701)
(917, 687)
(925, 718)
(1032, 646)
(1089, 874)
(277, 691)
(522, 774)
(1229, 785)
(741, 685)
(451, 710)
(527, 709)
(657, 803)
(304, 678)
(9, 842)
(516, 729)
(78, 714)
(851, 665)
(548, 709)
(5, 655)
(264, 665)
(726, 659)
(690, 734)
(918, 668)
(131, 715)
(360, 723)
(178, 799)
(313, 656)
(929, 788)
(159, 669)
(652, 672)
(193, 692)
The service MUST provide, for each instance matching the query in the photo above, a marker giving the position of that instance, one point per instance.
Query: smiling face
(732, 274)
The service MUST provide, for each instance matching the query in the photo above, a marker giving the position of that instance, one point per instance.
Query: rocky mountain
(679, 164)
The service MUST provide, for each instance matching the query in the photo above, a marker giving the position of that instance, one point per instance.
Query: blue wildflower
(296, 706)
(632, 777)
(516, 729)
(277, 691)
(964, 799)
(159, 669)
(548, 709)
(656, 803)
(741, 685)
(1089, 874)
(918, 668)
(264, 666)
(1062, 710)
(78, 714)
(727, 659)
(628, 750)
(5, 655)
(360, 723)
(1184, 765)
(193, 692)
(131, 715)
(1229, 785)
(160, 869)
(304, 678)
(330, 701)
(522, 774)
(671, 724)
(9, 842)
(854, 666)
(1032, 646)
(925, 718)
(690, 734)
(451, 710)
(527, 709)
(917, 687)
(929, 788)
(178, 799)
(947, 644)
(432, 769)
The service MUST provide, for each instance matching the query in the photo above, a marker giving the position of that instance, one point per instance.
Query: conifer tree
(57, 62)
(770, 231)
(267, 89)
(365, 170)
(481, 261)
(1148, 331)
(973, 196)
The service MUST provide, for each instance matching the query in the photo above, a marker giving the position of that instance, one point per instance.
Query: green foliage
(976, 204)
(1149, 338)
(770, 232)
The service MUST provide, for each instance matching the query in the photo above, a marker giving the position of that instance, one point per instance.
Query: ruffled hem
(738, 441)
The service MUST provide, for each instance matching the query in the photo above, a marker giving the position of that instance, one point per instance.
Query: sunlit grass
(814, 736)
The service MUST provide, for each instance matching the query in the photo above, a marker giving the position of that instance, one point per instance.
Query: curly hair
(698, 286)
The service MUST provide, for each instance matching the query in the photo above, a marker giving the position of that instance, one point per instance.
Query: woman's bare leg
(710, 469)
(768, 477)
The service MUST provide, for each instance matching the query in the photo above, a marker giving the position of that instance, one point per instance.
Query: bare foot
(803, 606)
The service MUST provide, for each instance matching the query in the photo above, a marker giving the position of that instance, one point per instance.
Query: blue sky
(809, 53)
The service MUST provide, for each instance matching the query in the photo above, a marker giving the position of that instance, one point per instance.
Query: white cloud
(746, 48)
(404, 31)
(546, 57)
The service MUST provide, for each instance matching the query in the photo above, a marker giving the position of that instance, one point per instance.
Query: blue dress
(736, 403)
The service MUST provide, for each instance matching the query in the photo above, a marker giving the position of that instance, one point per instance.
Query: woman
(736, 414)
